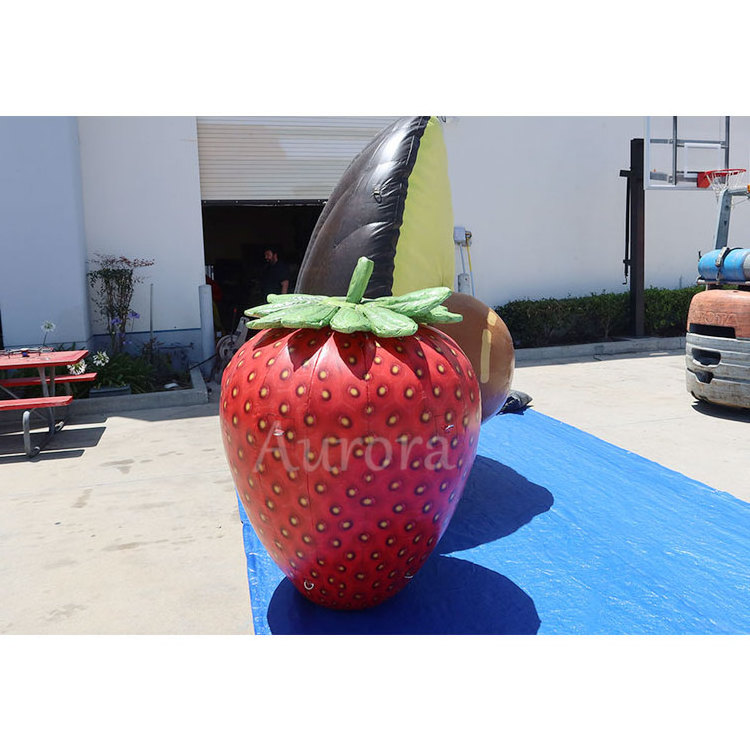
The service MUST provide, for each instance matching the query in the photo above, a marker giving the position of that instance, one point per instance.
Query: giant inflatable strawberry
(350, 427)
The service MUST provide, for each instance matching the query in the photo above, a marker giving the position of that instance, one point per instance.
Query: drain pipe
(208, 344)
(151, 314)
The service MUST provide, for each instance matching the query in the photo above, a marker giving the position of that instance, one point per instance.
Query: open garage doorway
(235, 236)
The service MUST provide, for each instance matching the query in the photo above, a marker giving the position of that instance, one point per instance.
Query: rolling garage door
(285, 159)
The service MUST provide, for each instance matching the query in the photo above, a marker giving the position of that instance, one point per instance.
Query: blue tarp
(557, 532)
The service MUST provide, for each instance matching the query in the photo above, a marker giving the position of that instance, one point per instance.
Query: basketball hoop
(718, 179)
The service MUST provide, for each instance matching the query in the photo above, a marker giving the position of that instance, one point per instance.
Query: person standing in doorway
(275, 275)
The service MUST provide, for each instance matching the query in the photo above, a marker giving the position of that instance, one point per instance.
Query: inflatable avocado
(393, 205)
(487, 343)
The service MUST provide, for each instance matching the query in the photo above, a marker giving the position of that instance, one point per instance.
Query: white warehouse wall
(42, 246)
(545, 204)
(141, 196)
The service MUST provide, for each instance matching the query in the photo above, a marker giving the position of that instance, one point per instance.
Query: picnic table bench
(45, 362)
(84, 377)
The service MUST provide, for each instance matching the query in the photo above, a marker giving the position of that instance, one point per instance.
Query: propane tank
(733, 265)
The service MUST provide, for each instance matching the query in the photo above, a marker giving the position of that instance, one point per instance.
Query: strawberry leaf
(415, 303)
(387, 317)
(439, 314)
(387, 323)
(282, 302)
(349, 320)
(309, 316)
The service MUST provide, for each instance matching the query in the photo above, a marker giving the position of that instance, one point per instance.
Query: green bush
(124, 369)
(596, 317)
(667, 310)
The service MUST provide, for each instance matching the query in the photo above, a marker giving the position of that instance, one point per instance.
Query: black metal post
(637, 237)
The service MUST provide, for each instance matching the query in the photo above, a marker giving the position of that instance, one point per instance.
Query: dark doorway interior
(235, 237)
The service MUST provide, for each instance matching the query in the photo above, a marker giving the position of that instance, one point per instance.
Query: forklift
(718, 325)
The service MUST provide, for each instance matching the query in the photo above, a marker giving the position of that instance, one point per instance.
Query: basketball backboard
(678, 148)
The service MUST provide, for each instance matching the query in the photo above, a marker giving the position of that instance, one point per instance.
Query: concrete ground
(123, 525)
(129, 525)
(639, 402)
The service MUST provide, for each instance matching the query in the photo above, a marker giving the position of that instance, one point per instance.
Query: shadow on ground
(722, 412)
(497, 501)
(448, 596)
(70, 442)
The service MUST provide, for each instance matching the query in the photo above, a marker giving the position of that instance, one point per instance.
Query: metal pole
(726, 143)
(637, 237)
(721, 235)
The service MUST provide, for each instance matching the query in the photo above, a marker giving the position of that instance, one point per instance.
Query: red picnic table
(45, 362)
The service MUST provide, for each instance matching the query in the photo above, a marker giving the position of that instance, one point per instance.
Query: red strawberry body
(349, 453)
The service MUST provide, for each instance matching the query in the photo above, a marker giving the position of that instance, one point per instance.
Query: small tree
(113, 284)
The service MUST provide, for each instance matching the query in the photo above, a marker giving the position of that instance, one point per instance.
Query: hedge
(597, 317)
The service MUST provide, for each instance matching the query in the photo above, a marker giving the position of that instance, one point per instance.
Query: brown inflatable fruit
(487, 343)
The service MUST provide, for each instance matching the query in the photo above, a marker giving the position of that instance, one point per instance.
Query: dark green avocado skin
(363, 215)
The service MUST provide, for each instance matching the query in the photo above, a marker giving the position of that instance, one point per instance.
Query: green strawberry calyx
(387, 317)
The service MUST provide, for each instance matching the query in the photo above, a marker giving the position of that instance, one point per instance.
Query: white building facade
(542, 197)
